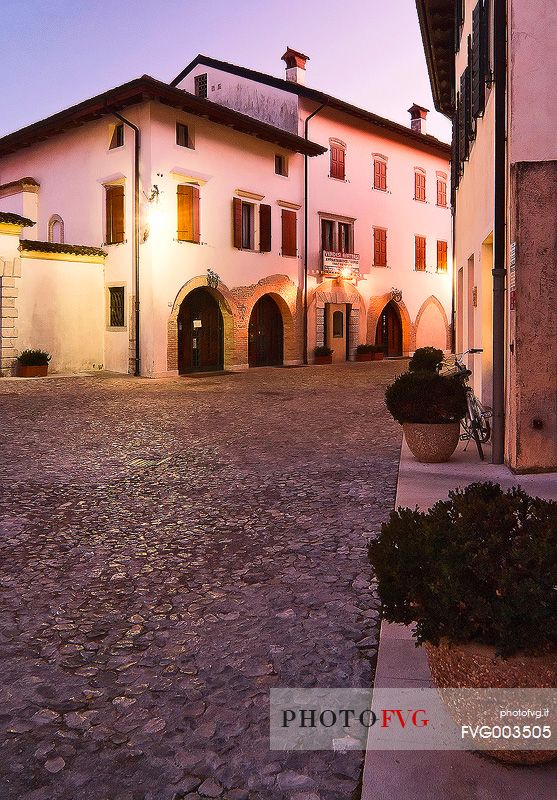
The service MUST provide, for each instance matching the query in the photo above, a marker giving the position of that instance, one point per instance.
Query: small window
(281, 165)
(380, 174)
(441, 256)
(419, 185)
(420, 253)
(441, 192)
(117, 139)
(116, 318)
(56, 229)
(183, 138)
(379, 247)
(338, 324)
(327, 235)
(248, 226)
(114, 223)
(200, 82)
(338, 153)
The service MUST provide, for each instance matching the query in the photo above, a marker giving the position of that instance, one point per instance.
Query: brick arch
(432, 300)
(334, 291)
(286, 295)
(376, 306)
(228, 309)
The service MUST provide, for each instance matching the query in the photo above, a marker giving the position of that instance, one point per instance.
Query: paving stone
(172, 549)
(210, 788)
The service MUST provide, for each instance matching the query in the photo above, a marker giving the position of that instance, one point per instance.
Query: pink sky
(59, 53)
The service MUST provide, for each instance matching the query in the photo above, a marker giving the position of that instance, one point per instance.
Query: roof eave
(438, 16)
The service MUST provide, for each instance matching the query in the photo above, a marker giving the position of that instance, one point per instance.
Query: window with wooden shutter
(328, 235)
(441, 256)
(379, 247)
(188, 213)
(463, 141)
(479, 58)
(115, 233)
(264, 228)
(420, 253)
(458, 23)
(380, 174)
(441, 192)
(455, 160)
(419, 185)
(337, 162)
(237, 222)
(289, 243)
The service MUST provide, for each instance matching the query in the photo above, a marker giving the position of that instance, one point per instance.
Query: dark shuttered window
(420, 253)
(188, 213)
(479, 59)
(337, 162)
(265, 228)
(419, 185)
(441, 192)
(289, 243)
(379, 247)
(115, 232)
(380, 174)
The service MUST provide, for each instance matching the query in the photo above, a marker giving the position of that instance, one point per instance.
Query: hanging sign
(345, 265)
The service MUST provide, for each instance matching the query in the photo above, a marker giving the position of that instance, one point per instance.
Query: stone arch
(56, 229)
(376, 306)
(433, 303)
(228, 310)
(335, 291)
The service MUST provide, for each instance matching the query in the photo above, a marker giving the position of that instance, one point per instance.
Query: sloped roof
(141, 90)
(30, 245)
(421, 141)
(437, 21)
(15, 219)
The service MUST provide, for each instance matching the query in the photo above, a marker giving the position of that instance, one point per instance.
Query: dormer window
(200, 84)
(281, 165)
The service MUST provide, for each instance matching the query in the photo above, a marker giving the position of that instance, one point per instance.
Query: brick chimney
(418, 116)
(295, 66)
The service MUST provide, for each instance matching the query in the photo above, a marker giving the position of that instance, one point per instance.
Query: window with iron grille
(116, 307)
(200, 82)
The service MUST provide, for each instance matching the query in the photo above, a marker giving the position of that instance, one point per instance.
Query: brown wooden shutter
(265, 228)
(185, 213)
(289, 244)
(237, 221)
(380, 175)
(115, 231)
(419, 186)
(442, 256)
(337, 162)
(420, 253)
(379, 247)
(195, 214)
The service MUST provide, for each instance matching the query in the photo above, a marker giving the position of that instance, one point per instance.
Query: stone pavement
(170, 550)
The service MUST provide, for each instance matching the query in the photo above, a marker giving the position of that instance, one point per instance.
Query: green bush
(426, 397)
(426, 359)
(322, 350)
(33, 358)
(478, 567)
(365, 348)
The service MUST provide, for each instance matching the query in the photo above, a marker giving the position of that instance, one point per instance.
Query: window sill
(383, 191)
(340, 180)
(288, 255)
(419, 200)
(440, 205)
(113, 244)
(186, 241)
(381, 266)
(278, 175)
(114, 329)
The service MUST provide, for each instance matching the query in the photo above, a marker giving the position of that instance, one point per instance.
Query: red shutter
(337, 162)
(419, 186)
(379, 247)
(441, 256)
(441, 192)
(380, 175)
(115, 214)
(420, 253)
(237, 221)
(289, 244)
(265, 228)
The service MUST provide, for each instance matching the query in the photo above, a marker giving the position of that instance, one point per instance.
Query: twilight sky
(59, 52)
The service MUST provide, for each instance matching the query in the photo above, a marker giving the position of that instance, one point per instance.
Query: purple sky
(57, 53)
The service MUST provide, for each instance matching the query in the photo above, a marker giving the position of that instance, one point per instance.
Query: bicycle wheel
(475, 422)
(484, 428)
(477, 439)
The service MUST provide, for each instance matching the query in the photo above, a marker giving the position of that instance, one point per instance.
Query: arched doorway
(389, 330)
(265, 334)
(200, 333)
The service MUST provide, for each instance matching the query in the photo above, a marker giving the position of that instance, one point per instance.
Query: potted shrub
(32, 364)
(364, 352)
(476, 574)
(429, 407)
(426, 359)
(323, 355)
(378, 352)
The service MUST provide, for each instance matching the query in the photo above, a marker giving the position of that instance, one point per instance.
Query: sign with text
(344, 265)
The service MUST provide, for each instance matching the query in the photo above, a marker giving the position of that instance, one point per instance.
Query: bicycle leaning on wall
(475, 424)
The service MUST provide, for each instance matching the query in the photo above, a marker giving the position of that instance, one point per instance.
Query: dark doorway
(200, 333)
(389, 330)
(265, 348)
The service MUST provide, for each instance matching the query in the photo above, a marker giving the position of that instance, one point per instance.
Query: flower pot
(323, 359)
(364, 356)
(432, 443)
(25, 371)
(475, 666)
(378, 356)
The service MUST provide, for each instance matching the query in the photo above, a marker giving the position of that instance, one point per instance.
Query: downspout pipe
(499, 229)
(306, 211)
(137, 145)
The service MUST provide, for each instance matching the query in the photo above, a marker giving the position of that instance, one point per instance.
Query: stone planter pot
(378, 356)
(24, 371)
(432, 443)
(475, 666)
(323, 359)
(364, 356)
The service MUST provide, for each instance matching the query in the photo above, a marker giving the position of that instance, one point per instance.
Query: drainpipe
(455, 271)
(135, 129)
(306, 189)
(499, 232)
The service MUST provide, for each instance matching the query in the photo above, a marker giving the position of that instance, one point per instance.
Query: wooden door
(265, 334)
(200, 333)
(336, 330)
(389, 331)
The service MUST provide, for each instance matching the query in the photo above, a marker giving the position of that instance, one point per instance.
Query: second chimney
(295, 66)
(418, 116)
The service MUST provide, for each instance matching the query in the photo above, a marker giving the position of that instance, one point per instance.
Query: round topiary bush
(426, 397)
(479, 567)
(33, 358)
(427, 359)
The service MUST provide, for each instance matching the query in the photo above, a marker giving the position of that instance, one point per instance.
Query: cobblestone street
(171, 550)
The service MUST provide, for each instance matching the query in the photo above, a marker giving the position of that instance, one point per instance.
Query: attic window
(117, 139)
(200, 82)
(281, 165)
(183, 138)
